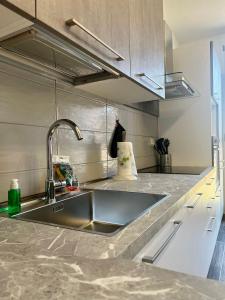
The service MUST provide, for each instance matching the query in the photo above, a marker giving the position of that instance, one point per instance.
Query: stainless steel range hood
(52, 53)
(176, 85)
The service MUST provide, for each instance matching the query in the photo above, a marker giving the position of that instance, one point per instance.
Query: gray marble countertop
(40, 277)
(45, 262)
(127, 242)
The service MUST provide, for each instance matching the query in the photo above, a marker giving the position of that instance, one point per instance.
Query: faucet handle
(50, 191)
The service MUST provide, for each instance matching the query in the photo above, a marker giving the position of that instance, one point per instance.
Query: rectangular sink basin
(97, 211)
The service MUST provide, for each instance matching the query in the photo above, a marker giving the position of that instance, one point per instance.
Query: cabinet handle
(151, 259)
(209, 205)
(211, 223)
(73, 22)
(159, 87)
(193, 204)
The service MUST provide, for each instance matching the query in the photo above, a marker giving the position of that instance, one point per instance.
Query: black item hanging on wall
(119, 135)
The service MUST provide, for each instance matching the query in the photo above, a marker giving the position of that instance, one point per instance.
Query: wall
(187, 122)
(30, 103)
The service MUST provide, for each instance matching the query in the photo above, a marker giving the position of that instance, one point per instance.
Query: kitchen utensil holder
(165, 160)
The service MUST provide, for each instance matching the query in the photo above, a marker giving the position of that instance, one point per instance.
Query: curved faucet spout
(50, 184)
(67, 122)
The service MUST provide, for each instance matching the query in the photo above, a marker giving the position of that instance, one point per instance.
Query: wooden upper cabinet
(147, 44)
(102, 29)
(27, 6)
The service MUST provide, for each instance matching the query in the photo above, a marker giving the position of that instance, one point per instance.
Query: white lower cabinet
(186, 243)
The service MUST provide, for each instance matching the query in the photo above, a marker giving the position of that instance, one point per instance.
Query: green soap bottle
(14, 206)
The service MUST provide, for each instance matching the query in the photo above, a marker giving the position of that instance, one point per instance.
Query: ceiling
(195, 19)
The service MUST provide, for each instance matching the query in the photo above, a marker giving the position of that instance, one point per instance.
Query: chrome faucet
(50, 183)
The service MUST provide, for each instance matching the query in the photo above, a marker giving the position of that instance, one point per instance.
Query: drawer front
(160, 242)
(190, 249)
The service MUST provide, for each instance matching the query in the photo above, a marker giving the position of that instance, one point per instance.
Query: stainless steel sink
(98, 211)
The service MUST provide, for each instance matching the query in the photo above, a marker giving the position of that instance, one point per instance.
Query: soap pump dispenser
(14, 206)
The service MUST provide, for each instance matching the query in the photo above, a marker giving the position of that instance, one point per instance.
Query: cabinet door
(27, 6)
(215, 71)
(191, 248)
(147, 44)
(103, 28)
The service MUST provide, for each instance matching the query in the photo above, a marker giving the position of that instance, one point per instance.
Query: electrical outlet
(151, 141)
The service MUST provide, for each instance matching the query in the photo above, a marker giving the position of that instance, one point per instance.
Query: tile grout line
(65, 128)
(73, 164)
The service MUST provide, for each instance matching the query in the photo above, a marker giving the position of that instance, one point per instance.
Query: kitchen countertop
(127, 242)
(53, 262)
(29, 277)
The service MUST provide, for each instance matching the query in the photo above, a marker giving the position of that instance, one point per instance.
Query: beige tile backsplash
(30, 103)
(24, 101)
(92, 148)
(89, 114)
(22, 148)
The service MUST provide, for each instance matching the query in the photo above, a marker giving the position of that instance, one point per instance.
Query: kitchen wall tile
(11, 69)
(91, 171)
(86, 113)
(141, 145)
(29, 103)
(112, 115)
(91, 149)
(146, 124)
(145, 161)
(67, 87)
(31, 182)
(22, 147)
(135, 122)
(25, 101)
(126, 118)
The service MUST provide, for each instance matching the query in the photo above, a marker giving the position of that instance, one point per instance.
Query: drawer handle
(73, 22)
(209, 205)
(159, 87)
(211, 224)
(193, 204)
(151, 259)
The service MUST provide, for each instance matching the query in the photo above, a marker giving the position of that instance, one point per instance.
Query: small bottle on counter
(14, 206)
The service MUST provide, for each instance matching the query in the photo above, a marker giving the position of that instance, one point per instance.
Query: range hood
(44, 49)
(176, 85)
